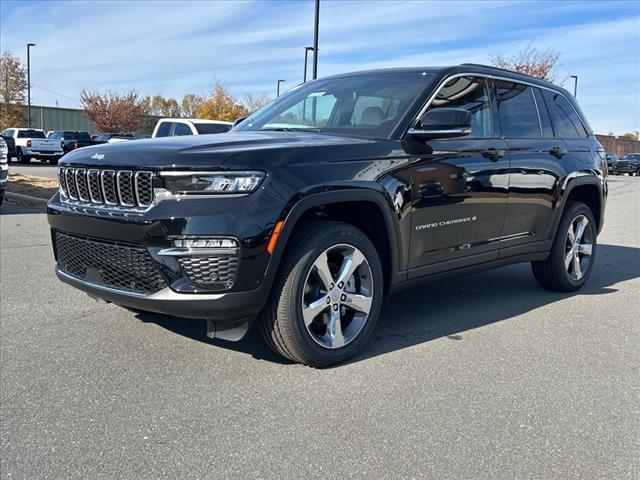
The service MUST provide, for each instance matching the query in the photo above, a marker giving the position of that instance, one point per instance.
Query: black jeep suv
(343, 190)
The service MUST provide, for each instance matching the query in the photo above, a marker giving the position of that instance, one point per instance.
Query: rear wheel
(570, 261)
(328, 295)
(22, 158)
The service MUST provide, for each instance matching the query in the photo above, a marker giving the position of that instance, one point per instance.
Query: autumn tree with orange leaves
(113, 112)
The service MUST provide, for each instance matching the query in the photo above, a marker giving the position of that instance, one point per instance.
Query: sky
(177, 47)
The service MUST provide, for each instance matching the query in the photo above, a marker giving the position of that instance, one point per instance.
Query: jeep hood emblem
(97, 156)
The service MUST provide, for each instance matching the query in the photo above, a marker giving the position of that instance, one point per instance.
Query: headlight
(204, 183)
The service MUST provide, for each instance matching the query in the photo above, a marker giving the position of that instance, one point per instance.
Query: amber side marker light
(274, 237)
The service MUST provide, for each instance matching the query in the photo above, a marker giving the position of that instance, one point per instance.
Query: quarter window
(566, 122)
(517, 110)
(471, 94)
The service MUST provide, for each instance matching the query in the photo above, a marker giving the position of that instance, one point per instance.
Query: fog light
(205, 243)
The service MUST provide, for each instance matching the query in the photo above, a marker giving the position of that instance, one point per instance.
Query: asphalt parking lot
(484, 376)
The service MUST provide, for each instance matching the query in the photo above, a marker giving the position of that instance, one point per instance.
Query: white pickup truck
(31, 143)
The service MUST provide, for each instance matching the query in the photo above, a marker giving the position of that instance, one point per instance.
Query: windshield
(370, 105)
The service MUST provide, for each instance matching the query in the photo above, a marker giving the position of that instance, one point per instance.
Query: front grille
(106, 188)
(211, 272)
(113, 265)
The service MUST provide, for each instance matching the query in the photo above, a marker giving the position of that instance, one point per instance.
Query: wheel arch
(349, 205)
(589, 190)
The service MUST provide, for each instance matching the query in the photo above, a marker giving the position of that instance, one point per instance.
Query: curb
(26, 199)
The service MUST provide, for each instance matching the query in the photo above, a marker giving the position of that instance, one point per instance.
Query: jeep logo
(97, 156)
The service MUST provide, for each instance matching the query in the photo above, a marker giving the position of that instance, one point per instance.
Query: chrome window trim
(120, 174)
(446, 79)
(535, 102)
(104, 190)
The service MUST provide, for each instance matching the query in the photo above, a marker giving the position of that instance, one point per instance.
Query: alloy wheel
(579, 246)
(338, 296)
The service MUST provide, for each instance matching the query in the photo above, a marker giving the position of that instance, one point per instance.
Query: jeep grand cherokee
(343, 190)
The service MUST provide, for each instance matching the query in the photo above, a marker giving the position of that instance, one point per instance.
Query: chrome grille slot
(69, 177)
(125, 188)
(109, 187)
(81, 184)
(143, 188)
(118, 190)
(93, 180)
(62, 182)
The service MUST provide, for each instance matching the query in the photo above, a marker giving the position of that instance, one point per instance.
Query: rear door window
(517, 110)
(182, 129)
(566, 122)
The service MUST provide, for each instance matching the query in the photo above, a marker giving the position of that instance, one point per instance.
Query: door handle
(558, 152)
(493, 154)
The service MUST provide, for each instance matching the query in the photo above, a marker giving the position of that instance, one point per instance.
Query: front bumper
(226, 308)
(627, 168)
(245, 219)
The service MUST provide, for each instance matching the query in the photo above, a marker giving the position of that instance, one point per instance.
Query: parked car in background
(4, 168)
(630, 164)
(7, 137)
(71, 139)
(173, 127)
(33, 143)
(112, 138)
(612, 161)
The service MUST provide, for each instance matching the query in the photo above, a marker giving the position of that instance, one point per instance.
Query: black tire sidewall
(334, 235)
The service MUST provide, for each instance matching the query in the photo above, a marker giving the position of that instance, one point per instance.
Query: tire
(22, 158)
(569, 264)
(54, 160)
(300, 284)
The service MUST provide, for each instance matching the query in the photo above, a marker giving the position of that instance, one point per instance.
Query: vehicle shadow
(446, 308)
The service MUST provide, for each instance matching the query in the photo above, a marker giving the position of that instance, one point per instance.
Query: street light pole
(315, 40)
(29, 45)
(575, 85)
(306, 51)
(278, 89)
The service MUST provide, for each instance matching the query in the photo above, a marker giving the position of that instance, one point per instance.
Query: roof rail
(499, 69)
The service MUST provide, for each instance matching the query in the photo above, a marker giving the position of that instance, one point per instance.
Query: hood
(197, 151)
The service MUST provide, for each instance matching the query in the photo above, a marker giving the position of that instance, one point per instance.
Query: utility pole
(575, 85)
(29, 45)
(315, 40)
(306, 52)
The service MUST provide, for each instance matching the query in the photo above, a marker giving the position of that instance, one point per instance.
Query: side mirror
(443, 123)
(238, 120)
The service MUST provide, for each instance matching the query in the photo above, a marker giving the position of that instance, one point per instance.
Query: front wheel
(327, 297)
(570, 261)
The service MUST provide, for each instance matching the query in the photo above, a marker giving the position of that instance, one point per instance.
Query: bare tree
(252, 103)
(13, 88)
(531, 61)
(190, 105)
(113, 112)
(160, 106)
